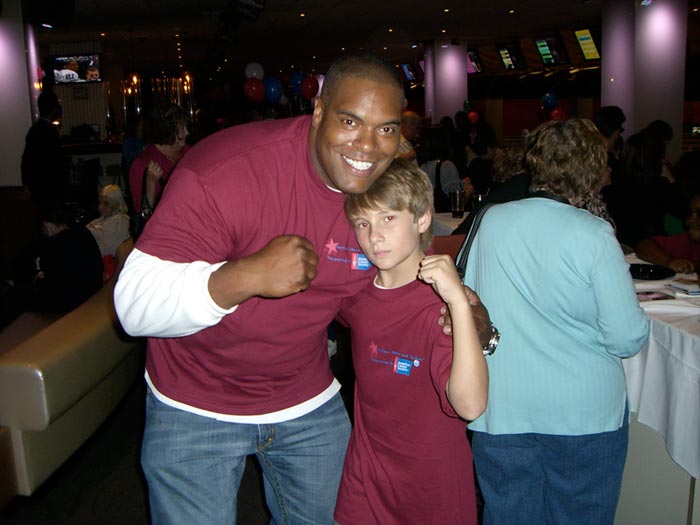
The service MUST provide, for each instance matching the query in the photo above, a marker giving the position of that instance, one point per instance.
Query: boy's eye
(389, 218)
(360, 225)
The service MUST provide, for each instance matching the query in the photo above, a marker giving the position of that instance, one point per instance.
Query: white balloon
(254, 70)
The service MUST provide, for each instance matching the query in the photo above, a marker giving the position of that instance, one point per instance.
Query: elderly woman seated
(679, 252)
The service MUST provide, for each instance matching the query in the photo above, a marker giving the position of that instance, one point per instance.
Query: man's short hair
(609, 119)
(47, 102)
(403, 186)
(565, 158)
(366, 66)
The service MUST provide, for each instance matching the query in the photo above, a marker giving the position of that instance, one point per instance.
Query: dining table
(663, 385)
(445, 223)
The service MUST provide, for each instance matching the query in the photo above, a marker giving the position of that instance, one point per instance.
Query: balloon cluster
(472, 115)
(258, 87)
(549, 107)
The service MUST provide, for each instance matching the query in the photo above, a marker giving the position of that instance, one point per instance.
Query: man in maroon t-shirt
(237, 362)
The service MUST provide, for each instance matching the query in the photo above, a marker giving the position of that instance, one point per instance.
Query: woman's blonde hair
(115, 196)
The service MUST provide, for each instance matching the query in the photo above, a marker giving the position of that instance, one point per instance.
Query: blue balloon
(273, 89)
(295, 81)
(549, 101)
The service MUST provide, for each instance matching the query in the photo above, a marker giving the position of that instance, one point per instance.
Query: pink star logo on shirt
(332, 247)
(373, 348)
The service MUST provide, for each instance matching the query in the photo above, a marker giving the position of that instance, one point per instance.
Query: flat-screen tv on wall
(551, 50)
(511, 56)
(473, 62)
(76, 68)
(587, 44)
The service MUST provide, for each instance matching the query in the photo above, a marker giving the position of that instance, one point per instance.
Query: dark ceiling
(141, 34)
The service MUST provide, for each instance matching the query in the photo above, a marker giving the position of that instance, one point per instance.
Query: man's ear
(424, 222)
(318, 113)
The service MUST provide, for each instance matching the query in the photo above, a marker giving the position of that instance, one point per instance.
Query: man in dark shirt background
(44, 164)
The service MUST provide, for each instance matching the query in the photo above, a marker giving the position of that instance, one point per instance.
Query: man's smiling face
(355, 135)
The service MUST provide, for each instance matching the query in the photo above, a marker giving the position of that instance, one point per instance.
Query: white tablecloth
(444, 223)
(663, 380)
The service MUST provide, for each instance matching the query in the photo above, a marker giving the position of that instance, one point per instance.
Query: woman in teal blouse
(551, 446)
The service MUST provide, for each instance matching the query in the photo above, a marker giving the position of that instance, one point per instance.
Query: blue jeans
(194, 464)
(545, 479)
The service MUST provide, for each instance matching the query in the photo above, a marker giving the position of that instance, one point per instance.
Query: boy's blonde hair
(403, 186)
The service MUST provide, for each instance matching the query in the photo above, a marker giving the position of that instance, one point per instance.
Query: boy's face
(391, 239)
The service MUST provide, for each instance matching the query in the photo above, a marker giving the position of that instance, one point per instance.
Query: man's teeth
(357, 164)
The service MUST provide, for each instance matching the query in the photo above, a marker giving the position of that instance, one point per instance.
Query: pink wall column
(445, 79)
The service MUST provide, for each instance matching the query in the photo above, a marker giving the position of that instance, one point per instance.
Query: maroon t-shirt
(228, 197)
(408, 460)
(680, 247)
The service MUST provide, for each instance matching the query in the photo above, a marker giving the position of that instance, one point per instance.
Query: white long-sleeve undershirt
(158, 298)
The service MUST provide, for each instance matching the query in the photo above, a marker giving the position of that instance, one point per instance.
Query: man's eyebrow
(345, 113)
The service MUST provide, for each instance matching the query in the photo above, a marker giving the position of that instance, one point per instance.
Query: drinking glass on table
(457, 201)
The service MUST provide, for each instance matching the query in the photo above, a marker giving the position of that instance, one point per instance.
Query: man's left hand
(482, 321)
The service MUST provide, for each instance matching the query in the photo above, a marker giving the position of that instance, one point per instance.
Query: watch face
(490, 348)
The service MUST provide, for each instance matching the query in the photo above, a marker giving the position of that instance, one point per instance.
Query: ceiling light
(645, 3)
(445, 10)
(302, 14)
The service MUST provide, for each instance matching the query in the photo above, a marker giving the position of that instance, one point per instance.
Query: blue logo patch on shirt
(402, 366)
(360, 262)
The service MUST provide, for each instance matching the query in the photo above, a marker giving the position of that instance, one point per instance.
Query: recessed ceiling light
(302, 14)
(443, 31)
(511, 11)
(391, 30)
(103, 35)
(445, 10)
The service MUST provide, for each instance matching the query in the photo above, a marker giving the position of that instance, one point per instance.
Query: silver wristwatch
(491, 346)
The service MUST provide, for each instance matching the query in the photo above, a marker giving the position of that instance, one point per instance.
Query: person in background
(679, 252)
(165, 134)
(111, 228)
(68, 265)
(552, 443)
(408, 459)
(237, 361)
(132, 142)
(644, 194)
(442, 172)
(44, 164)
(411, 126)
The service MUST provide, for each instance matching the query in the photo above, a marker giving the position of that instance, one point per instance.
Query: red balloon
(254, 89)
(557, 114)
(309, 87)
(473, 117)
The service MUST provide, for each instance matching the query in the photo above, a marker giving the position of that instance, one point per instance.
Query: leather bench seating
(58, 385)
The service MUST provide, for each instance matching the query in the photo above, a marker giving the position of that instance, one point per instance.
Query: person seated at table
(411, 127)
(679, 252)
(111, 228)
(67, 264)
(442, 172)
(165, 132)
